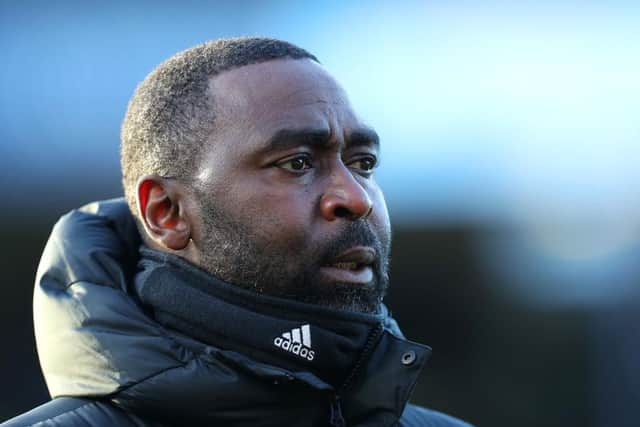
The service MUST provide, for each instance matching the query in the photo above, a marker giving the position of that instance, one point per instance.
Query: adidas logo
(297, 341)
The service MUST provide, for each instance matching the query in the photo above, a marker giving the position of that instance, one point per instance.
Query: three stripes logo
(297, 341)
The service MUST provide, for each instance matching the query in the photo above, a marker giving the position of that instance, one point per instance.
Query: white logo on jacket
(297, 341)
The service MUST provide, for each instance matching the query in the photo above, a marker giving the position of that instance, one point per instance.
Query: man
(256, 295)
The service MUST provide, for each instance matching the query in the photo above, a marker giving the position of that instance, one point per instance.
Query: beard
(248, 258)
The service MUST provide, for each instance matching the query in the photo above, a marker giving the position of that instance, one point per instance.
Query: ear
(162, 212)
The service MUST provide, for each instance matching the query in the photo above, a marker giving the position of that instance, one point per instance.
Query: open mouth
(347, 265)
(353, 266)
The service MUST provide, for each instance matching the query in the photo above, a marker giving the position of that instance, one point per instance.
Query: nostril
(342, 212)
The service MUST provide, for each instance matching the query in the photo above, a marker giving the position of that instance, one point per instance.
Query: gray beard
(248, 259)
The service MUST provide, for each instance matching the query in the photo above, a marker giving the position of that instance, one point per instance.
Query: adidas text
(298, 342)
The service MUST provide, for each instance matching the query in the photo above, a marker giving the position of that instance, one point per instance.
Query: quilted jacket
(128, 336)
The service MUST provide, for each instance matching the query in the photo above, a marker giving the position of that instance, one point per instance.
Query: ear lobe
(162, 213)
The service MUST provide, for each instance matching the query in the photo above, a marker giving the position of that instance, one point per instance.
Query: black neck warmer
(271, 330)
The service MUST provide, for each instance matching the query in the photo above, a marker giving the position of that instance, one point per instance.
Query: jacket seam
(62, 414)
(155, 374)
(93, 283)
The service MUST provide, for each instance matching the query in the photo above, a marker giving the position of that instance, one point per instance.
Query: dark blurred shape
(20, 372)
(615, 363)
(494, 363)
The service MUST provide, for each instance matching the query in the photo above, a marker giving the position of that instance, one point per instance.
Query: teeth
(346, 265)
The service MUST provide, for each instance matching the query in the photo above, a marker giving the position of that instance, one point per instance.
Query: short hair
(171, 112)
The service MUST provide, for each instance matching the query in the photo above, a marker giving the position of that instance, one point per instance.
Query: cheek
(380, 207)
(380, 215)
(281, 219)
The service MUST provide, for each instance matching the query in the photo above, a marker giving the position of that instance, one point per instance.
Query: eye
(295, 164)
(364, 165)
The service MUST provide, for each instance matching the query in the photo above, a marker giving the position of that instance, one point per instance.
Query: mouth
(353, 266)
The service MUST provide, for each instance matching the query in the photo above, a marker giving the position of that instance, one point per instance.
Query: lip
(362, 275)
(360, 254)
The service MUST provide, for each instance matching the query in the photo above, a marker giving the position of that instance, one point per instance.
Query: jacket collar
(295, 336)
(361, 362)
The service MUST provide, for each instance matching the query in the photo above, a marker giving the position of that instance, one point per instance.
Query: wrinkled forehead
(282, 93)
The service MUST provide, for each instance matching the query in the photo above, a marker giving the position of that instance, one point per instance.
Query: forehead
(281, 94)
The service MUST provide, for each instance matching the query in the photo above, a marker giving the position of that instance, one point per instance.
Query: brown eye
(298, 164)
(295, 164)
(367, 164)
(364, 164)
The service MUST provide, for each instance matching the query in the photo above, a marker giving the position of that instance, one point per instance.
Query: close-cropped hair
(171, 113)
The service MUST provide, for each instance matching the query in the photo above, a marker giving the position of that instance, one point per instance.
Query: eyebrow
(285, 139)
(363, 136)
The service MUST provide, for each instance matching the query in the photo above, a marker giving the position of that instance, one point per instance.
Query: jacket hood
(158, 336)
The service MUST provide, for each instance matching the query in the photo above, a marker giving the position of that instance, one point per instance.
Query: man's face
(288, 203)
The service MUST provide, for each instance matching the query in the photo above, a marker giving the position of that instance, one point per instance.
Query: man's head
(245, 157)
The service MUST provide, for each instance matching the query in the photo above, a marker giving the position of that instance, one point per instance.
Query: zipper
(336, 418)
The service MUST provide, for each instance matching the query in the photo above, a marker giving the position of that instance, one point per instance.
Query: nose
(344, 197)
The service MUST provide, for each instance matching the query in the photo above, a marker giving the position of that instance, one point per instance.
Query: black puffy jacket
(130, 337)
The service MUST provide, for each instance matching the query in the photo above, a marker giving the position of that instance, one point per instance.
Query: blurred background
(510, 148)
